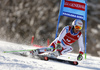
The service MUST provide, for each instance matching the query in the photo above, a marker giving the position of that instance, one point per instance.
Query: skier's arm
(62, 33)
(81, 44)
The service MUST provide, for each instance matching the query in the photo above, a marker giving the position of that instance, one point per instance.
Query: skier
(62, 44)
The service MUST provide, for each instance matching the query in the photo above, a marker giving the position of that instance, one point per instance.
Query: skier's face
(76, 30)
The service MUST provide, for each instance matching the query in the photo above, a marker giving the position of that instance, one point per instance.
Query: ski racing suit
(66, 38)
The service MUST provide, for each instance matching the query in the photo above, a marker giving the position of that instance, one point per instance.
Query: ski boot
(34, 52)
(54, 54)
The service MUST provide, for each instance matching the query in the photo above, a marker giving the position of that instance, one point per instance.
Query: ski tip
(46, 58)
(75, 62)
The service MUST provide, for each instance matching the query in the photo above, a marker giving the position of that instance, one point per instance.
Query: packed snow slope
(9, 61)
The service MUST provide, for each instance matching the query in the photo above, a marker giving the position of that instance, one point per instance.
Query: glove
(59, 46)
(79, 57)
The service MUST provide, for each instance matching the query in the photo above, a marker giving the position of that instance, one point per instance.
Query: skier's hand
(59, 46)
(79, 57)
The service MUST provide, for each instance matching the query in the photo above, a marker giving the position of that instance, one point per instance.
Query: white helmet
(77, 22)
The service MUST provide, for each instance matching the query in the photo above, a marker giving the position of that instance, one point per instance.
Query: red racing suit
(68, 37)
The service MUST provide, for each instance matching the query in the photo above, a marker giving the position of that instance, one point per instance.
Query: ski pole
(17, 51)
(25, 50)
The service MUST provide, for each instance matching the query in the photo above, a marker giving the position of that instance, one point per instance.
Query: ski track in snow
(9, 61)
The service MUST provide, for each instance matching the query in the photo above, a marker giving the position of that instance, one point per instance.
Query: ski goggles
(78, 27)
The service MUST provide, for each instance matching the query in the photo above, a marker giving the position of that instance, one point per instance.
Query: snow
(9, 61)
(98, 26)
(95, 31)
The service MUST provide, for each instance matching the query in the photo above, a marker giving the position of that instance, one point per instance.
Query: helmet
(77, 22)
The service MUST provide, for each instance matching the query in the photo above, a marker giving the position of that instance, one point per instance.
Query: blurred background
(22, 19)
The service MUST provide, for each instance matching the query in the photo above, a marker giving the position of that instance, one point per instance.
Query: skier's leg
(43, 50)
(61, 52)
(51, 48)
(66, 50)
(47, 49)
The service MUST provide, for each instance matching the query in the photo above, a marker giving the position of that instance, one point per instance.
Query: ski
(46, 58)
